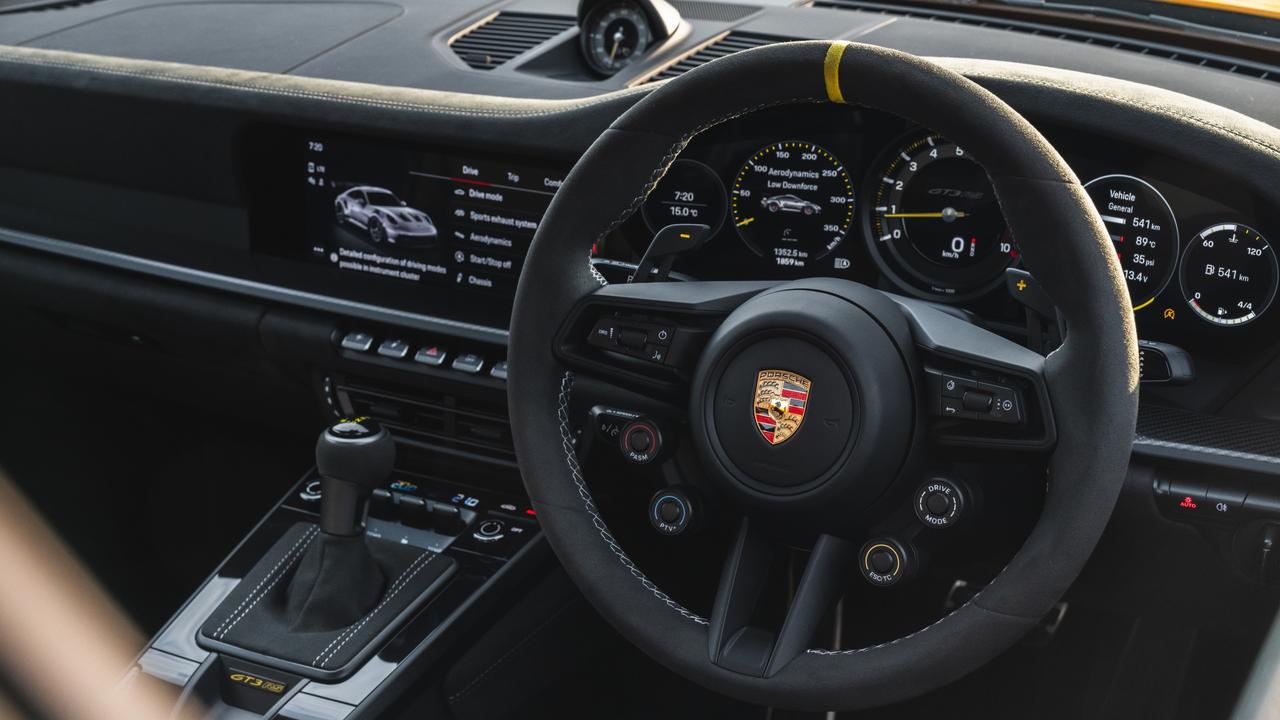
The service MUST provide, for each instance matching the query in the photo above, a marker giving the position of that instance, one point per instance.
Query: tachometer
(935, 225)
(792, 202)
(1229, 274)
(1143, 229)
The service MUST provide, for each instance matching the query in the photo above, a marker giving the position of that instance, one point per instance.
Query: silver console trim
(252, 288)
(169, 668)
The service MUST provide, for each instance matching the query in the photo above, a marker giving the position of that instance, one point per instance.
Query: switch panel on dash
(964, 398)
(647, 341)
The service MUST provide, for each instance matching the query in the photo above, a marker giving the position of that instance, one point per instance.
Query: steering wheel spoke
(981, 389)
(647, 335)
(734, 642)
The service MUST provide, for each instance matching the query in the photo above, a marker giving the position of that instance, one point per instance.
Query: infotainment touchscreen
(404, 217)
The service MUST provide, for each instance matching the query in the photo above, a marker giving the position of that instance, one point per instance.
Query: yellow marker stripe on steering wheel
(831, 71)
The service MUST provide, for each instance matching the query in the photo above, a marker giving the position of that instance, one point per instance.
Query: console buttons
(953, 407)
(640, 441)
(469, 363)
(939, 503)
(609, 422)
(976, 401)
(953, 386)
(1224, 503)
(632, 339)
(382, 503)
(604, 334)
(961, 398)
(1186, 498)
(357, 341)
(1006, 403)
(490, 531)
(647, 341)
(499, 370)
(432, 356)
(670, 511)
(884, 561)
(394, 349)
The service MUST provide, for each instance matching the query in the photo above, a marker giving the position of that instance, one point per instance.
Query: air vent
(709, 10)
(505, 36)
(436, 418)
(1215, 61)
(727, 45)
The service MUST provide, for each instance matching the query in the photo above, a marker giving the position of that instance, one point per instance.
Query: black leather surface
(1093, 378)
(263, 618)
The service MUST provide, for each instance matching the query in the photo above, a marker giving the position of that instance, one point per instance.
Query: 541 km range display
(792, 202)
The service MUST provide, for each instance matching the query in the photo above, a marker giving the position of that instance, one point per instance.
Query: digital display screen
(401, 218)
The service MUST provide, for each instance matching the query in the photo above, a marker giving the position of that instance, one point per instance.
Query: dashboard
(844, 192)
(786, 192)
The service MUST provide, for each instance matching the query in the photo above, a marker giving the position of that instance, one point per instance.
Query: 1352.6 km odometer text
(793, 203)
(1229, 274)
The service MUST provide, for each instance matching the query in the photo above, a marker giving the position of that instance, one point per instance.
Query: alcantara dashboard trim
(265, 291)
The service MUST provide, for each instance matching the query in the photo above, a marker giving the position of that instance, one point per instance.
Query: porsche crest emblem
(781, 398)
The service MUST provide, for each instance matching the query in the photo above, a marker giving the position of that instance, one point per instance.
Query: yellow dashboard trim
(831, 72)
(1263, 8)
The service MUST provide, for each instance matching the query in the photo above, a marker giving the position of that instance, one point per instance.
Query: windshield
(382, 198)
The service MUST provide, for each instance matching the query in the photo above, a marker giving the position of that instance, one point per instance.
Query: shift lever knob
(354, 457)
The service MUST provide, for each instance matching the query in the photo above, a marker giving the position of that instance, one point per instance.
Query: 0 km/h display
(1229, 274)
(793, 203)
(1143, 230)
(935, 221)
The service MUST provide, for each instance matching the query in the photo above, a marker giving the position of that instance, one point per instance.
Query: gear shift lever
(354, 458)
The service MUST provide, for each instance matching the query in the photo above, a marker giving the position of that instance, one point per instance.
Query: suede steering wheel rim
(1089, 383)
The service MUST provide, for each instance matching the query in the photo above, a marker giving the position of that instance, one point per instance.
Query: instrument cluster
(855, 193)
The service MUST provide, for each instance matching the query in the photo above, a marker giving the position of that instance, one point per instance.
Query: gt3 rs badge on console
(781, 398)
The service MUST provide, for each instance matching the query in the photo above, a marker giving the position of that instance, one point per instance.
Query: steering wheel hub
(805, 400)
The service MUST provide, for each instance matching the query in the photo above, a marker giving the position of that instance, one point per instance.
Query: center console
(479, 543)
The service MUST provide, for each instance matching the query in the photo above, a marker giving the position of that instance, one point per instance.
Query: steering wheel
(871, 360)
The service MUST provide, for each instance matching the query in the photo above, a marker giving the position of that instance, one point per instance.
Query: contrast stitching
(566, 439)
(566, 383)
(399, 585)
(289, 556)
(318, 95)
(394, 588)
(466, 690)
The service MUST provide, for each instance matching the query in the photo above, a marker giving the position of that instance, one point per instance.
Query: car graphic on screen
(790, 203)
(385, 217)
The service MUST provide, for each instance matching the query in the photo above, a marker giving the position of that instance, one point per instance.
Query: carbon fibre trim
(1181, 435)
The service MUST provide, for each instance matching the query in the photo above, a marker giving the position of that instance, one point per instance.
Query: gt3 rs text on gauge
(792, 202)
(935, 225)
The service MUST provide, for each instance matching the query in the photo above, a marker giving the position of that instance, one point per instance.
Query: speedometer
(792, 202)
(935, 225)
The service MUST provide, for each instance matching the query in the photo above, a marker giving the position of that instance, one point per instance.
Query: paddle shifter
(354, 458)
